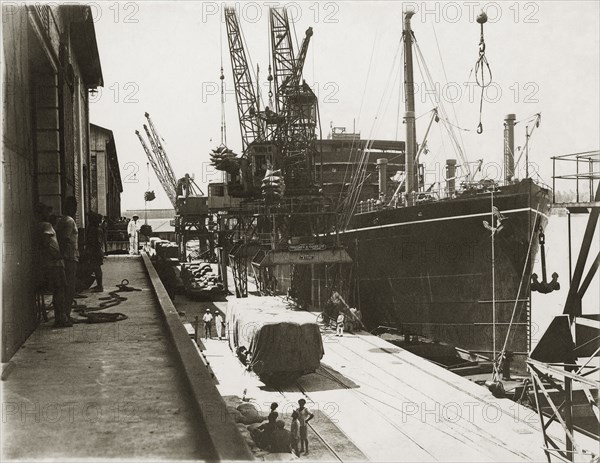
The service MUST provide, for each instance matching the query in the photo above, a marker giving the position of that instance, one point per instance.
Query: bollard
(196, 326)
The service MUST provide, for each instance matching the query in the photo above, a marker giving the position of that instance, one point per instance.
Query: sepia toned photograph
(329, 231)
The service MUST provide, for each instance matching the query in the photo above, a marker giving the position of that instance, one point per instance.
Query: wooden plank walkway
(400, 407)
(395, 406)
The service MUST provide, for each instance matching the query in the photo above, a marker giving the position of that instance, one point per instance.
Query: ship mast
(409, 115)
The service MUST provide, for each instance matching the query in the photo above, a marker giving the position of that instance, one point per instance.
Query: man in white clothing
(207, 319)
(219, 324)
(132, 231)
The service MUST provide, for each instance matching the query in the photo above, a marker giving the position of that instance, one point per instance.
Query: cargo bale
(278, 340)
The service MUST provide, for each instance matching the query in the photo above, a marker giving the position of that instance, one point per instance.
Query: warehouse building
(50, 64)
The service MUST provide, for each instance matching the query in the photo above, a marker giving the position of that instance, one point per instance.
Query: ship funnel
(509, 147)
(382, 166)
(451, 176)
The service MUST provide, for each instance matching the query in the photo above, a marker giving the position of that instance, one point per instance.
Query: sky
(165, 57)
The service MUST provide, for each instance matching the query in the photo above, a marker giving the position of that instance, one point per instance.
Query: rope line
(353, 151)
(512, 317)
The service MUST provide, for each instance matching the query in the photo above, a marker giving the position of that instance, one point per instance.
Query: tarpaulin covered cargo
(278, 340)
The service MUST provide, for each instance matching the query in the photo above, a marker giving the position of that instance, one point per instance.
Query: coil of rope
(482, 77)
(112, 300)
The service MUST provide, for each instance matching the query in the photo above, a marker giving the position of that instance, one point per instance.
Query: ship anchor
(544, 286)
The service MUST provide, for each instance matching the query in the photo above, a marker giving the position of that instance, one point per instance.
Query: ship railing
(399, 201)
(430, 194)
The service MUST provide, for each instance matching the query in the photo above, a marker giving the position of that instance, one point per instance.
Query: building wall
(17, 189)
(43, 147)
(114, 187)
(105, 177)
(101, 182)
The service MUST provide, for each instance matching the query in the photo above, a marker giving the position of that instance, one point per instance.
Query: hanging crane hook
(482, 19)
(480, 66)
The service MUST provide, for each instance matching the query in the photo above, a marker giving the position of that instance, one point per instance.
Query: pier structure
(564, 365)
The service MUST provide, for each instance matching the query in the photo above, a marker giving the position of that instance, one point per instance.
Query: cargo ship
(454, 264)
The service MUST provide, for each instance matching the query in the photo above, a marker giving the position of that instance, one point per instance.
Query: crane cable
(480, 67)
(354, 151)
(222, 78)
(270, 70)
(428, 79)
(462, 143)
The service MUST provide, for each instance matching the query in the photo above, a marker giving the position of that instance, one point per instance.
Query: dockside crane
(296, 105)
(163, 169)
(157, 170)
(282, 137)
(161, 156)
(187, 198)
(251, 126)
(277, 165)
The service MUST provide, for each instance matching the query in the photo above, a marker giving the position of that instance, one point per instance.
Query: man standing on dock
(68, 240)
(207, 319)
(51, 265)
(304, 416)
(219, 324)
(132, 231)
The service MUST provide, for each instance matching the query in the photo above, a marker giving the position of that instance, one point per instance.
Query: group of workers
(273, 436)
(59, 257)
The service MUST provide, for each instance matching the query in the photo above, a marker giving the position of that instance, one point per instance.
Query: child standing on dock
(304, 416)
(294, 433)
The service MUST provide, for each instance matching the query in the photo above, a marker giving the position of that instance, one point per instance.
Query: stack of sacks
(272, 184)
(167, 250)
(249, 414)
(200, 277)
(222, 158)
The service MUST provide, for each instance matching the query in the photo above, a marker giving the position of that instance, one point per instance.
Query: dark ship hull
(426, 269)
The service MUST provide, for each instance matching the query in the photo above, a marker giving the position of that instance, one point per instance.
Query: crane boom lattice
(251, 126)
